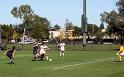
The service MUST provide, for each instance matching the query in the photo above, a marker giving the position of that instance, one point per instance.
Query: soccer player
(35, 49)
(62, 49)
(10, 54)
(43, 51)
(58, 47)
(121, 52)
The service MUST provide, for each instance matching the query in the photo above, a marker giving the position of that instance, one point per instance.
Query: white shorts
(122, 54)
(62, 50)
(42, 52)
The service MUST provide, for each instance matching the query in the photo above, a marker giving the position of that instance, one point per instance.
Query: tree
(61, 36)
(40, 28)
(115, 20)
(7, 32)
(14, 36)
(111, 19)
(68, 25)
(77, 31)
(36, 26)
(92, 29)
(57, 27)
(24, 12)
(120, 5)
(101, 26)
(69, 30)
(99, 35)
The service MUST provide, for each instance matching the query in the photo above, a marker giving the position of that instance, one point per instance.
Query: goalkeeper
(120, 53)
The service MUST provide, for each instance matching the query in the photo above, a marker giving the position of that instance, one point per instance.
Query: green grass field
(99, 61)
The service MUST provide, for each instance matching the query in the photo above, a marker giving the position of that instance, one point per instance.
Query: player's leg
(10, 58)
(121, 55)
(34, 56)
(63, 54)
(60, 53)
(41, 57)
(47, 58)
(120, 58)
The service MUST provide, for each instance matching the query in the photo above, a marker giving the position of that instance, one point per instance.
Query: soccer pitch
(85, 63)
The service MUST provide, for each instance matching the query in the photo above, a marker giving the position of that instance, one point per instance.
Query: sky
(57, 11)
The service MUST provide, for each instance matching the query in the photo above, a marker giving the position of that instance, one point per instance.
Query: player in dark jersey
(10, 54)
(35, 49)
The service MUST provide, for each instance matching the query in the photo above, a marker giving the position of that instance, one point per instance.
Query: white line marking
(82, 63)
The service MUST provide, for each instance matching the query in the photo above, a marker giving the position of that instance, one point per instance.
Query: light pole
(84, 23)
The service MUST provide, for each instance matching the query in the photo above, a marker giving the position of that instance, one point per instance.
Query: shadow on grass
(118, 61)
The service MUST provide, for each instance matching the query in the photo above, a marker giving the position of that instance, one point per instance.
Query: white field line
(56, 68)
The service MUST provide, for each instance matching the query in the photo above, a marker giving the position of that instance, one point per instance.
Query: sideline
(56, 68)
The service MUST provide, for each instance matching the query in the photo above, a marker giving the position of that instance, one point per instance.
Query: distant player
(62, 49)
(10, 54)
(58, 47)
(120, 53)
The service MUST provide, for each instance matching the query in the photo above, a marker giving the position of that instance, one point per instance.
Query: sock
(11, 61)
(47, 58)
(62, 54)
(120, 58)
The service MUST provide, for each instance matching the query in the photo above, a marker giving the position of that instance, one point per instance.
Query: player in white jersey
(43, 51)
(62, 49)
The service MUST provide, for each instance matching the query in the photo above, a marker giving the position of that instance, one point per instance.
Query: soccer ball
(50, 59)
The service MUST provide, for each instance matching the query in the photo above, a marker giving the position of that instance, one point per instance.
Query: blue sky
(57, 11)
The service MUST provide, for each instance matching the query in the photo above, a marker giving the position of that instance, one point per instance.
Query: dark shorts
(9, 55)
(34, 52)
(42, 56)
(61, 51)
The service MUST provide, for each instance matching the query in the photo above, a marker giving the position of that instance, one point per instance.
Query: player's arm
(13, 54)
(6, 52)
(120, 51)
(46, 48)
